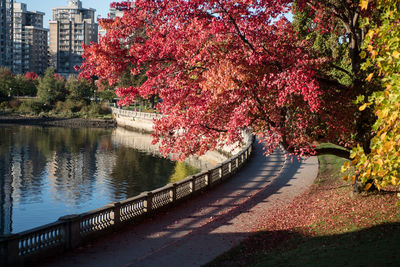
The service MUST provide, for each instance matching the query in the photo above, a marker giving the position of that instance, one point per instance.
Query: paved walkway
(197, 231)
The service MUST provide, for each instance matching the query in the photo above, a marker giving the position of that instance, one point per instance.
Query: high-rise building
(30, 50)
(6, 33)
(71, 27)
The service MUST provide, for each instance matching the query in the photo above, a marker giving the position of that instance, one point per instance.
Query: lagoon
(49, 172)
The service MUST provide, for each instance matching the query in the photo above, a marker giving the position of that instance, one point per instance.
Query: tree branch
(213, 129)
(239, 33)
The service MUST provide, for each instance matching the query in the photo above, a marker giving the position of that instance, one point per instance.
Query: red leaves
(329, 209)
(31, 76)
(218, 66)
(59, 77)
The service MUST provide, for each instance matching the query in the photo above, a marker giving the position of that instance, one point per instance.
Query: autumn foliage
(220, 67)
(381, 166)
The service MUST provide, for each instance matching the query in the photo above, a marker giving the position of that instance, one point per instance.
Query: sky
(102, 7)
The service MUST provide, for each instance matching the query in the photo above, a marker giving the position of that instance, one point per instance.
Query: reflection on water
(47, 172)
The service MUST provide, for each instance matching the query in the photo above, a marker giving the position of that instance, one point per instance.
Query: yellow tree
(381, 167)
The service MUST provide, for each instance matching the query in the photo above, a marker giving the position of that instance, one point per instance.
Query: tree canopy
(51, 88)
(224, 66)
(219, 67)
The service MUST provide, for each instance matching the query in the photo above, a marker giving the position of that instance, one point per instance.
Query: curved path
(195, 232)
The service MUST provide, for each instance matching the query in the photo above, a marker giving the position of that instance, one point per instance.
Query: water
(49, 172)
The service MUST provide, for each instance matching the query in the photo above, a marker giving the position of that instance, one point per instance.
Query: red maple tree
(221, 67)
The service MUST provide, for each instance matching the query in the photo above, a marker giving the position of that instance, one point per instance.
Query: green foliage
(79, 89)
(6, 82)
(96, 109)
(3, 107)
(23, 86)
(55, 96)
(51, 88)
(329, 44)
(69, 106)
(32, 107)
(107, 95)
(381, 167)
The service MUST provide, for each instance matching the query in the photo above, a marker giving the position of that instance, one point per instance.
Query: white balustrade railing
(134, 114)
(72, 230)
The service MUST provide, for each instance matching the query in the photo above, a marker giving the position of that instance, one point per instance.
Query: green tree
(7, 81)
(23, 86)
(51, 88)
(79, 89)
(107, 95)
(330, 44)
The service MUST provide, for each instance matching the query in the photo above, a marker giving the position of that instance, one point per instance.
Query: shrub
(14, 104)
(99, 109)
(69, 106)
(108, 95)
(33, 107)
(4, 106)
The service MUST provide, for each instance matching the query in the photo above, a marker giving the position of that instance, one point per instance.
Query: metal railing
(72, 230)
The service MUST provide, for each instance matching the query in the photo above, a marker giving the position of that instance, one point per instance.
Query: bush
(69, 106)
(33, 107)
(23, 86)
(108, 95)
(4, 106)
(99, 109)
(14, 104)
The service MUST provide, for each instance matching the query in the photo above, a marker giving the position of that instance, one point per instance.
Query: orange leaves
(367, 186)
(225, 76)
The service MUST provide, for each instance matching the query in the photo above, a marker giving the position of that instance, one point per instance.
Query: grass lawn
(326, 226)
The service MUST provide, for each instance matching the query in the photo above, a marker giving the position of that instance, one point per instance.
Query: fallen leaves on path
(327, 208)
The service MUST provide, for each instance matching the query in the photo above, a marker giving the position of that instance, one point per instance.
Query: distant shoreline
(54, 121)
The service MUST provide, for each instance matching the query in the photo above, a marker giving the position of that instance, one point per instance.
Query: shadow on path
(195, 232)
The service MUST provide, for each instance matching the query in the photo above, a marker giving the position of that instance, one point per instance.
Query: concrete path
(195, 232)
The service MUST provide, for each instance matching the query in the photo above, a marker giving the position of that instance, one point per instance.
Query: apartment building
(30, 48)
(6, 33)
(71, 27)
